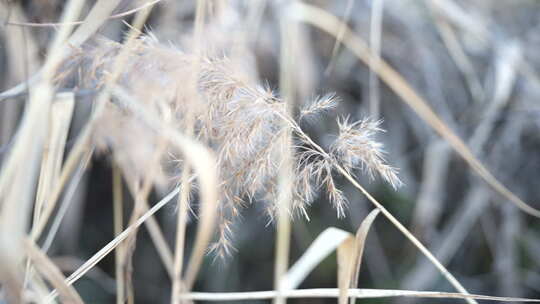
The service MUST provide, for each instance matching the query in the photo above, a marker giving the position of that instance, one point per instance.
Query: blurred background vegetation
(475, 62)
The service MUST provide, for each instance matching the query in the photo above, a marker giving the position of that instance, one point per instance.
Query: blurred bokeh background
(475, 62)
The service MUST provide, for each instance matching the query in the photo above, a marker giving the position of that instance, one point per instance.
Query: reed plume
(239, 119)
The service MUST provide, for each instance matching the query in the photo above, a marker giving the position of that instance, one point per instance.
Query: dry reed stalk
(22, 51)
(184, 198)
(61, 113)
(289, 47)
(181, 224)
(140, 190)
(53, 151)
(21, 167)
(118, 227)
(140, 196)
(49, 270)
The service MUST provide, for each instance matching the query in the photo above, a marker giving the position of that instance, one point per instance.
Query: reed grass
(192, 122)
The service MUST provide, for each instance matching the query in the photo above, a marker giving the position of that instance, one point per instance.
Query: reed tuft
(239, 119)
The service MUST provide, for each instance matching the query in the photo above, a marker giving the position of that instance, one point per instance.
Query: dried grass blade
(98, 15)
(324, 244)
(360, 241)
(50, 271)
(345, 261)
(118, 207)
(349, 256)
(18, 180)
(53, 154)
(181, 223)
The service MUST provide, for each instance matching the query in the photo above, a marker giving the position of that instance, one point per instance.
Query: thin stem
(289, 34)
(118, 227)
(334, 293)
(181, 223)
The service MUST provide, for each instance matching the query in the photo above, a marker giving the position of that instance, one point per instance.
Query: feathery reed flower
(237, 118)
